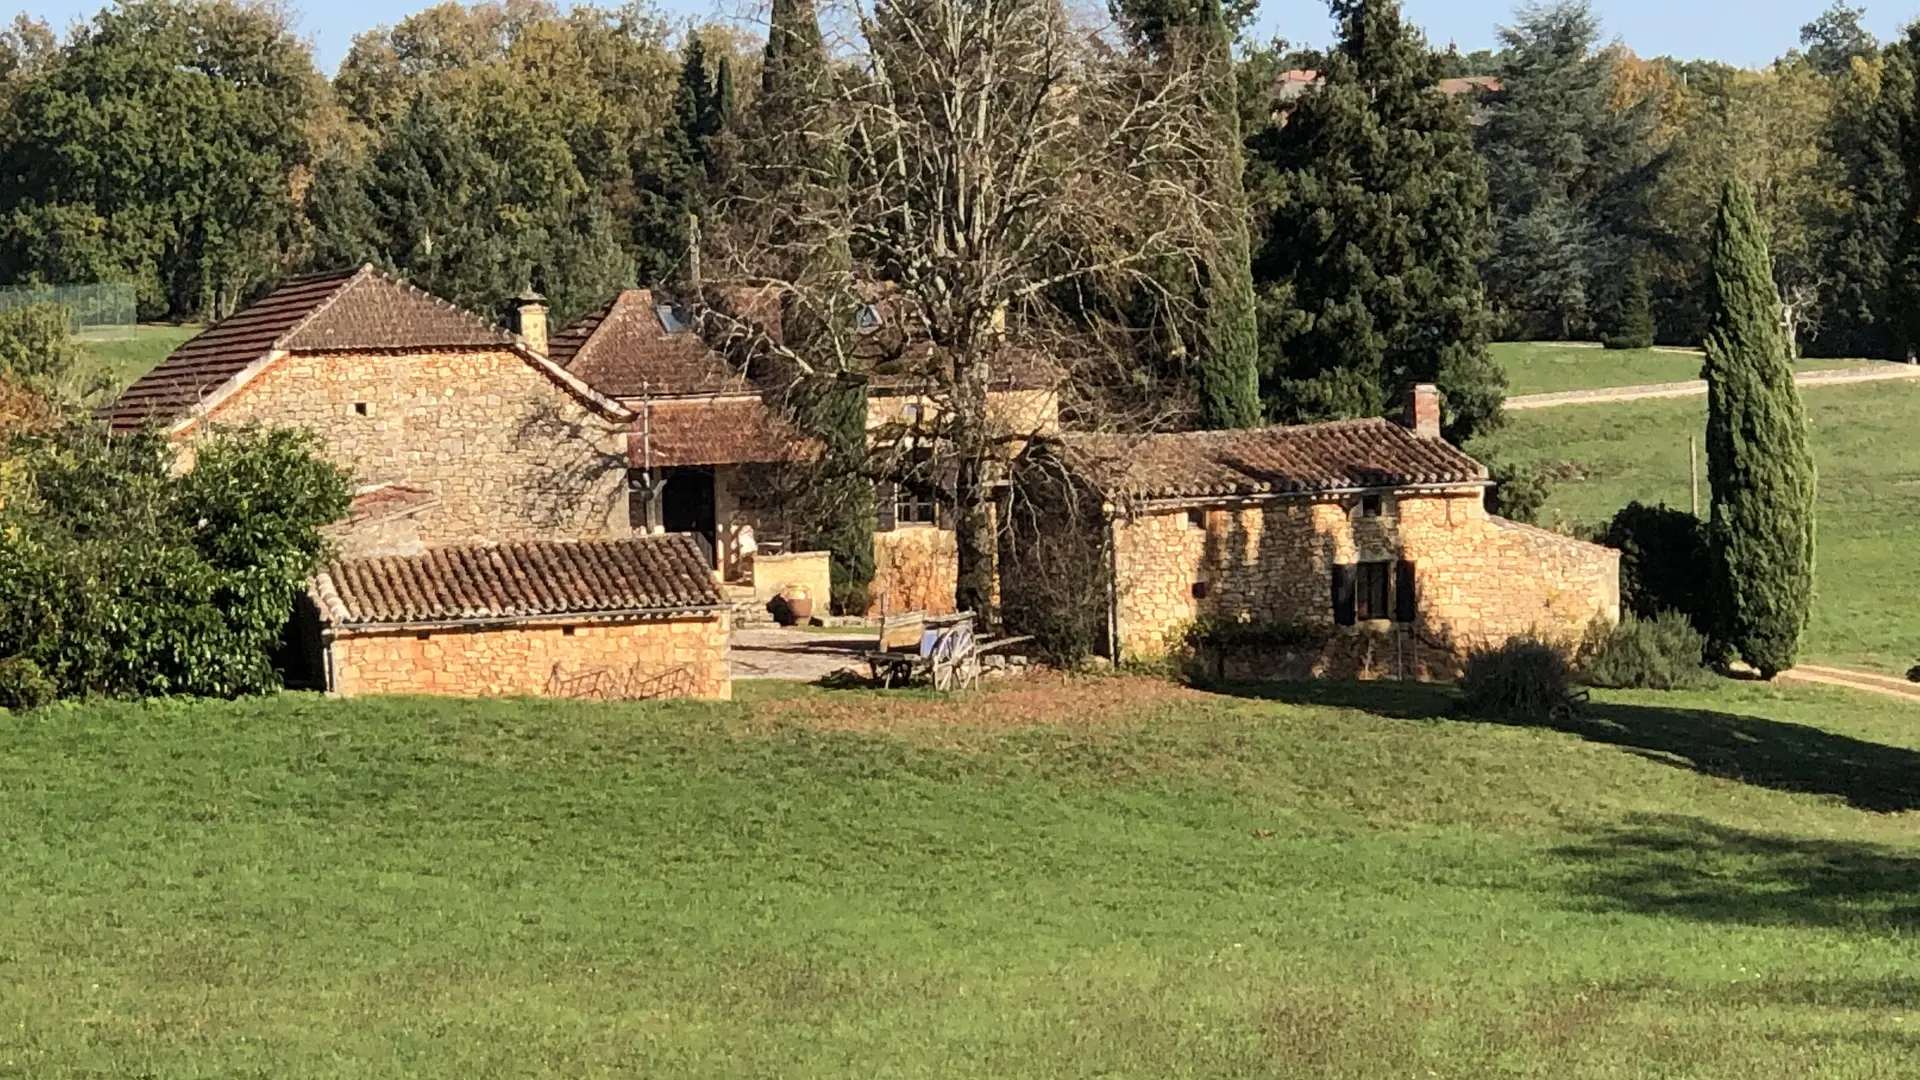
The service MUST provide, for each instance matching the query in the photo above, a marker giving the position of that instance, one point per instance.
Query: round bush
(1661, 653)
(23, 685)
(1524, 679)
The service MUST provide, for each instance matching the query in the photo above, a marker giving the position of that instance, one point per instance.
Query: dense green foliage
(1305, 880)
(37, 349)
(1666, 563)
(1523, 678)
(1375, 228)
(1196, 35)
(1519, 490)
(1660, 652)
(1567, 173)
(1866, 138)
(1630, 321)
(157, 148)
(119, 577)
(1761, 528)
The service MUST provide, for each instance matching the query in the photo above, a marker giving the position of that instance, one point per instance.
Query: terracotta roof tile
(721, 431)
(1298, 460)
(623, 350)
(358, 309)
(664, 574)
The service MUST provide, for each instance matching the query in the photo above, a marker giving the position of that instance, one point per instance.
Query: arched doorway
(686, 505)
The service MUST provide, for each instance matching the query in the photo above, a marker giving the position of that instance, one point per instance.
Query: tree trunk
(973, 533)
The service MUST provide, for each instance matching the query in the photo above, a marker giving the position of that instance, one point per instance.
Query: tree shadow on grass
(1749, 749)
(1685, 866)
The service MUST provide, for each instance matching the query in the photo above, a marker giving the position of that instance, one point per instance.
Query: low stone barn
(630, 618)
(1363, 546)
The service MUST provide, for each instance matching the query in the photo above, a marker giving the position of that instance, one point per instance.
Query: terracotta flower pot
(799, 603)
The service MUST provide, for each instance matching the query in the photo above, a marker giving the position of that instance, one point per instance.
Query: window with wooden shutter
(883, 505)
(1405, 606)
(1343, 590)
(1373, 591)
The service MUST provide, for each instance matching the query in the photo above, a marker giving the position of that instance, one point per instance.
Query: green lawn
(1867, 606)
(122, 361)
(1110, 878)
(1546, 367)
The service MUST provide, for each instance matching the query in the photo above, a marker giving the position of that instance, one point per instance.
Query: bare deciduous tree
(1002, 158)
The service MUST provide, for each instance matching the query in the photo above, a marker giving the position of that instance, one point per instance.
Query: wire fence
(94, 311)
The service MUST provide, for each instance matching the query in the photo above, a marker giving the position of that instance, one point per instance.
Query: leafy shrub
(1661, 653)
(1518, 491)
(1525, 678)
(23, 685)
(121, 579)
(1666, 563)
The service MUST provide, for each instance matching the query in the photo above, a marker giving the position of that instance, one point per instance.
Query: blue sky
(1737, 31)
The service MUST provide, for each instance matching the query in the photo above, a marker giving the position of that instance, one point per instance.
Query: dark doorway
(686, 504)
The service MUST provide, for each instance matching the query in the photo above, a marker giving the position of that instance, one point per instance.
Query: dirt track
(1698, 387)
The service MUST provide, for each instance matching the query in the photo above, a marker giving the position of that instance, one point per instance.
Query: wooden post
(1693, 472)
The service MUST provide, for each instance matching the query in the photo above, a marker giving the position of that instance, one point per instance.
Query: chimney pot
(530, 320)
(1423, 411)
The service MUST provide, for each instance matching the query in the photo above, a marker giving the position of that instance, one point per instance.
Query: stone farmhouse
(1369, 538)
(585, 512)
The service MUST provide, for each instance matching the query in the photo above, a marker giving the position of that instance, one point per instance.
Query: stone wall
(776, 575)
(1479, 579)
(510, 454)
(915, 568)
(684, 657)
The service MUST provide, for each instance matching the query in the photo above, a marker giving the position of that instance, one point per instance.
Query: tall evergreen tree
(795, 176)
(1369, 272)
(1757, 459)
(1566, 171)
(1867, 133)
(1226, 342)
(1834, 39)
(1630, 322)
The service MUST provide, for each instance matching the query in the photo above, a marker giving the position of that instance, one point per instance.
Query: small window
(1200, 590)
(1196, 519)
(673, 318)
(1373, 591)
(1370, 505)
(362, 408)
(867, 317)
(566, 631)
(913, 504)
(423, 636)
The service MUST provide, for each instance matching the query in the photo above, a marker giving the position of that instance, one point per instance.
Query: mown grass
(119, 362)
(1867, 601)
(1111, 878)
(1547, 367)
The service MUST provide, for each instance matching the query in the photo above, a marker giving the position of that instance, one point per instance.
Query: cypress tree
(1369, 276)
(1631, 322)
(1757, 460)
(799, 180)
(1227, 335)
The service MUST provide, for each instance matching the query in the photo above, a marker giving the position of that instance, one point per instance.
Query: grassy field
(121, 362)
(1546, 367)
(1867, 606)
(1110, 878)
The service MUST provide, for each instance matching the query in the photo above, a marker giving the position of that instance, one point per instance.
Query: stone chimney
(530, 319)
(1423, 411)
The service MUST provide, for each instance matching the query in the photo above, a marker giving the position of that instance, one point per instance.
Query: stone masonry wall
(915, 568)
(684, 657)
(1479, 579)
(510, 454)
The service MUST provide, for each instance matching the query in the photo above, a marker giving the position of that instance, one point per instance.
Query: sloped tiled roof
(725, 431)
(663, 574)
(382, 502)
(1298, 460)
(351, 310)
(623, 350)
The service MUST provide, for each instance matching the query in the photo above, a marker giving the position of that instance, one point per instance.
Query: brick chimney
(530, 319)
(1423, 411)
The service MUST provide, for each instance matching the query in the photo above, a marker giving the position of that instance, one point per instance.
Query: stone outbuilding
(457, 431)
(1364, 547)
(638, 617)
